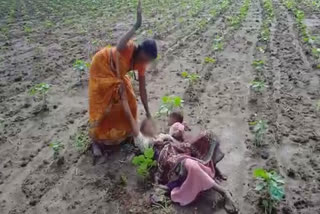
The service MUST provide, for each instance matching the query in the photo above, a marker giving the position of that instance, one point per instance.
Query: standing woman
(109, 123)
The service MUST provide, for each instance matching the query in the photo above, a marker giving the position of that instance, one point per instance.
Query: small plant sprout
(56, 146)
(210, 60)
(261, 49)
(316, 52)
(191, 77)
(318, 106)
(258, 64)
(169, 103)
(218, 43)
(40, 90)
(27, 29)
(145, 162)
(270, 187)
(257, 86)
(260, 127)
(82, 142)
(80, 66)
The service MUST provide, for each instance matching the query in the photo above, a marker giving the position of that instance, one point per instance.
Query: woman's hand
(139, 16)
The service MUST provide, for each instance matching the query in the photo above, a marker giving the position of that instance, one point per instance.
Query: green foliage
(145, 162)
(261, 49)
(82, 142)
(48, 24)
(169, 103)
(258, 64)
(191, 77)
(257, 86)
(27, 29)
(56, 146)
(318, 105)
(80, 65)
(271, 188)
(41, 88)
(218, 43)
(235, 21)
(210, 60)
(316, 52)
(260, 127)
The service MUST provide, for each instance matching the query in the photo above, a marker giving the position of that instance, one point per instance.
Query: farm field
(256, 69)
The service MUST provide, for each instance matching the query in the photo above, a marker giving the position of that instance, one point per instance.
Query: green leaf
(149, 153)
(260, 173)
(138, 160)
(184, 74)
(260, 186)
(165, 99)
(276, 192)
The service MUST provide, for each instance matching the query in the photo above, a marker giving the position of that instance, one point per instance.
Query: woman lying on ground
(186, 167)
(109, 68)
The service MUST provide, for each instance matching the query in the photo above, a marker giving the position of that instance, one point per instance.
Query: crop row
(312, 41)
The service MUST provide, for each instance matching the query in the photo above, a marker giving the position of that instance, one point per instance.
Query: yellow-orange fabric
(104, 93)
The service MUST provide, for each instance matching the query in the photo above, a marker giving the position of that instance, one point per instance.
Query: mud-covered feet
(220, 176)
(230, 205)
(98, 156)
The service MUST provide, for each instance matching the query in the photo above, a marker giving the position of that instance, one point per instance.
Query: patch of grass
(27, 29)
(82, 142)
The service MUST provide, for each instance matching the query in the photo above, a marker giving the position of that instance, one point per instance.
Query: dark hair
(149, 46)
(177, 116)
(144, 123)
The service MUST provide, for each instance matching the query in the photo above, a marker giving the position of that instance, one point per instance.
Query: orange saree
(113, 126)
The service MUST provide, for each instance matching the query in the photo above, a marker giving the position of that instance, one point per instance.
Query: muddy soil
(39, 42)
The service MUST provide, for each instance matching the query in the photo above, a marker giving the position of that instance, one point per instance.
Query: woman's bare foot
(229, 205)
(98, 157)
(220, 176)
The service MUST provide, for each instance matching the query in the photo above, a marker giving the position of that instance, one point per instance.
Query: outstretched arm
(124, 40)
(143, 94)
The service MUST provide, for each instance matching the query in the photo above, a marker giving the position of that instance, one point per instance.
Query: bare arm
(124, 40)
(143, 94)
(128, 113)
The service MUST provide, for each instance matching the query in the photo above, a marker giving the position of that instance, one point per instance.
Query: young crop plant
(218, 43)
(259, 130)
(27, 29)
(235, 21)
(82, 142)
(258, 64)
(210, 60)
(145, 162)
(271, 188)
(169, 104)
(257, 86)
(316, 52)
(81, 67)
(318, 106)
(56, 146)
(40, 90)
(191, 77)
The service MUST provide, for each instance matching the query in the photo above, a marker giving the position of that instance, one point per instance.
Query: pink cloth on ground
(199, 178)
